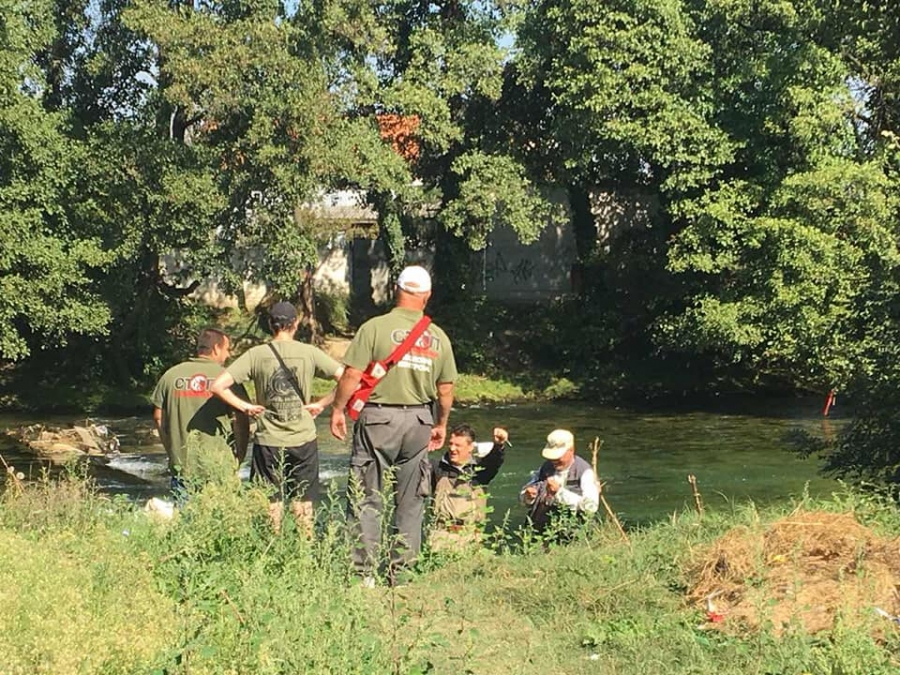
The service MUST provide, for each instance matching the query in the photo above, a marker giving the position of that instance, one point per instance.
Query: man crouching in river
(458, 481)
(565, 483)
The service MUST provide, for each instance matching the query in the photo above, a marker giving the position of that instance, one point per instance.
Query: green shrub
(333, 311)
(562, 388)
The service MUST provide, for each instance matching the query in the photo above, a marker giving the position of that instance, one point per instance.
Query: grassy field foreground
(93, 585)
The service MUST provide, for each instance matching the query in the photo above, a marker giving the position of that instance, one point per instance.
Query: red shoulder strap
(408, 343)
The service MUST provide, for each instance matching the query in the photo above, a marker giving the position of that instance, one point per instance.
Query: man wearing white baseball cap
(414, 279)
(565, 482)
(397, 424)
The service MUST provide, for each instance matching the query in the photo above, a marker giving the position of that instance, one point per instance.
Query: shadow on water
(738, 450)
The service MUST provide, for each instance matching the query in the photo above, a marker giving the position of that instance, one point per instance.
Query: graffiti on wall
(497, 267)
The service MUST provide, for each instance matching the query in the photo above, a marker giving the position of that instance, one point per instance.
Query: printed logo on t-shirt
(195, 385)
(281, 396)
(423, 353)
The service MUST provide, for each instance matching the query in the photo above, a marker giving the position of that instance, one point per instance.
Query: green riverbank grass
(481, 389)
(122, 400)
(93, 585)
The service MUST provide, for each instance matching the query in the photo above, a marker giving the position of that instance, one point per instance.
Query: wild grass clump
(482, 389)
(67, 502)
(79, 604)
(98, 586)
(76, 596)
(251, 601)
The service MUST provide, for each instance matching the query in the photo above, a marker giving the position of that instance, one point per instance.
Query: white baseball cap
(414, 279)
(558, 443)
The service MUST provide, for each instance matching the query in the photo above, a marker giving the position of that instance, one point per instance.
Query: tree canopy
(758, 139)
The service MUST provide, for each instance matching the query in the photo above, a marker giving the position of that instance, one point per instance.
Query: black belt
(402, 406)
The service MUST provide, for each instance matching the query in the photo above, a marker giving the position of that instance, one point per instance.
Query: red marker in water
(829, 401)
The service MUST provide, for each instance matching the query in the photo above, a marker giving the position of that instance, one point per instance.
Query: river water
(738, 450)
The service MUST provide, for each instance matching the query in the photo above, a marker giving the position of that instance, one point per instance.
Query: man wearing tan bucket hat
(563, 483)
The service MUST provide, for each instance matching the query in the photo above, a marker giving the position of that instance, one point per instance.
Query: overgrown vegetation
(96, 585)
(734, 204)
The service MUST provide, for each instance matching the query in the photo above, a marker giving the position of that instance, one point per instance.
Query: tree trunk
(585, 229)
(307, 300)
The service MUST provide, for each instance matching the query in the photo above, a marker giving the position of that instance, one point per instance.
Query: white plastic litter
(161, 508)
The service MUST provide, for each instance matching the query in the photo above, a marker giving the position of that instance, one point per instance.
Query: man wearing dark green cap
(285, 450)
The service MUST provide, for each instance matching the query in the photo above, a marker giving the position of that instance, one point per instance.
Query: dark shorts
(293, 471)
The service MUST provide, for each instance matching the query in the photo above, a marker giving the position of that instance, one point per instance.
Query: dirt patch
(805, 570)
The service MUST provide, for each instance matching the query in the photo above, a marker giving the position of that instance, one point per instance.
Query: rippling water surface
(738, 451)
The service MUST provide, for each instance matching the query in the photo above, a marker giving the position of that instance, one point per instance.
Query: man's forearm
(589, 499)
(233, 400)
(345, 387)
(445, 404)
(489, 465)
(221, 387)
(158, 421)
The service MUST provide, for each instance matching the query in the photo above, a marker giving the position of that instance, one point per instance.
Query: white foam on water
(324, 473)
(138, 465)
(153, 467)
(329, 474)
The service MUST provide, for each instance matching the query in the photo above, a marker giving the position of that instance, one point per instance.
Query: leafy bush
(333, 311)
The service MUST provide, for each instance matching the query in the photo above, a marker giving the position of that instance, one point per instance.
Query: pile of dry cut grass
(806, 570)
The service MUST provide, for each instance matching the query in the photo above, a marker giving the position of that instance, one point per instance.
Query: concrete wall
(615, 212)
(507, 269)
(332, 275)
(510, 270)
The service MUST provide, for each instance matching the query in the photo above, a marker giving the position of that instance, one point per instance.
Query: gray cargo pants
(387, 439)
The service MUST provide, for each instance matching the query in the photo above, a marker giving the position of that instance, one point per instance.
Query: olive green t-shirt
(414, 379)
(285, 424)
(187, 405)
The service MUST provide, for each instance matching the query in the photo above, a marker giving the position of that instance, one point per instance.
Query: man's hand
(438, 436)
(501, 435)
(254, 410)
(338, 423)
(315, 408)
(553, 485)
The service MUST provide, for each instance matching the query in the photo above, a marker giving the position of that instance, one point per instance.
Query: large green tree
(615, 101)
(788, 258)
(441, 64)
(755, 143)
(271, 95)
(46, 258)
(867, 37)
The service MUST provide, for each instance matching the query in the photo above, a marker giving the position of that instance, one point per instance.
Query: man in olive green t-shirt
(285, 450)
(398, 425)
(184, 409)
